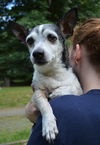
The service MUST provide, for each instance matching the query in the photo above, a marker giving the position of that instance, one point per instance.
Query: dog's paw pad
(49, 129)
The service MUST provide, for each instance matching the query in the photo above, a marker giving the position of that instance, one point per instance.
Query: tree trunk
(7, 82)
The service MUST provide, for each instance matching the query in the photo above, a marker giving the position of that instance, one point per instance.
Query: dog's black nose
(38, 54)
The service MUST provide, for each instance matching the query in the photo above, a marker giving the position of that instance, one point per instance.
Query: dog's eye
(51, 38)
(30, 41)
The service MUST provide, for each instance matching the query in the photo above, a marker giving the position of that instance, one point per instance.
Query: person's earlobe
(77, 55)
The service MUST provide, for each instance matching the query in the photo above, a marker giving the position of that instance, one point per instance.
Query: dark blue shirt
(78, 120)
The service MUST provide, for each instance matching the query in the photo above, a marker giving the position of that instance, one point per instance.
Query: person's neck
(91, 80)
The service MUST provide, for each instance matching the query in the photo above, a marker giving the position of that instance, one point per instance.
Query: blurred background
(15, 67)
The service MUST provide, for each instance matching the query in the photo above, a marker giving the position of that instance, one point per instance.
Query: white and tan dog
(52, 74)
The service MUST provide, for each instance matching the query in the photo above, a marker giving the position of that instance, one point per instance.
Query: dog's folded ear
(19, 31)
(68, 22)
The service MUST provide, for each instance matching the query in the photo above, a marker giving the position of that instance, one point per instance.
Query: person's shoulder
(73, 101)
(77, 117)
(68, 106)
(66, 101)
(74, 107)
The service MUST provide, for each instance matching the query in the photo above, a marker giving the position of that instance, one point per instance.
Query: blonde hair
(88, 34)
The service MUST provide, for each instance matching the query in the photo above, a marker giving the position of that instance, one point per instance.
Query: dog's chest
(46, 82)
(61, 83)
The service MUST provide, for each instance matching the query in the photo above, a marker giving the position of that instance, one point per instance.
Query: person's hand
(31, 112)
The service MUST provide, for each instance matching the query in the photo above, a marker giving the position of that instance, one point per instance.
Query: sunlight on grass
(15, 96)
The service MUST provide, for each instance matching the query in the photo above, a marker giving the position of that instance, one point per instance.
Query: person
(78, 117)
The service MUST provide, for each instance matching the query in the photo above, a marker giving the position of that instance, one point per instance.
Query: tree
(86, 8)
(14, 58)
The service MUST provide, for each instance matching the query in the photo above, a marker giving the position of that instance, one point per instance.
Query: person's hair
(88, 34)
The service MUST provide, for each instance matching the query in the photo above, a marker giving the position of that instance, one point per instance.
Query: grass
(13, 128)
(14, 96)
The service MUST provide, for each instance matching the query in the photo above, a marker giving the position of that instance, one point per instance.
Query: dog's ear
(19, 31)
(68, 22)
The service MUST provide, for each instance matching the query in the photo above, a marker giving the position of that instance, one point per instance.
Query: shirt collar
(94, 91)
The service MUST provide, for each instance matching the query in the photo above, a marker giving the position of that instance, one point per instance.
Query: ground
(13, 124)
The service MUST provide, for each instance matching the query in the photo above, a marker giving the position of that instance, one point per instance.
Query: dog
(53, 75)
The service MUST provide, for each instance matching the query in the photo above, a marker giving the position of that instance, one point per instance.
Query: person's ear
(77, 54)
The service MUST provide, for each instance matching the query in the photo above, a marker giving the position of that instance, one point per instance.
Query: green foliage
(34, 18)
(86, 8)
(14, 57)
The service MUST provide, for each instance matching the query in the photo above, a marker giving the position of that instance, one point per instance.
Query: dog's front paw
(49, 128)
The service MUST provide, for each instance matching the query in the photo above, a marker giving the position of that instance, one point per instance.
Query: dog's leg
(49, 127)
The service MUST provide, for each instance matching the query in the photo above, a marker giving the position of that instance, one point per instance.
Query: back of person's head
(88, 34)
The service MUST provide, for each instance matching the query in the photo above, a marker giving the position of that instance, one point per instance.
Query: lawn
(14, 96)
(17, 127)
(14, 128)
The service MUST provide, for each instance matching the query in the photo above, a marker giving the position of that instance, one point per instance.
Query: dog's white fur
(52, 78)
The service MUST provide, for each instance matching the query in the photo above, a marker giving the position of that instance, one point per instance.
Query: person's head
(86, 46)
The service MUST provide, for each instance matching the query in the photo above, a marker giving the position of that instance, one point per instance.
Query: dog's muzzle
(39, 57)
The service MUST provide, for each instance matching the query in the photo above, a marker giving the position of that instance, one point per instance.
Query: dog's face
(45, 44)
(46, 41)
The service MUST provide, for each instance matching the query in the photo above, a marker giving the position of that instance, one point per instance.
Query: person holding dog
(78, 117)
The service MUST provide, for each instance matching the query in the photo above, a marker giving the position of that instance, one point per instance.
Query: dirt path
(13, 124)
(12, 112)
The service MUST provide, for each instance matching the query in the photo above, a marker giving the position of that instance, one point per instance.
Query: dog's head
(46, 41)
